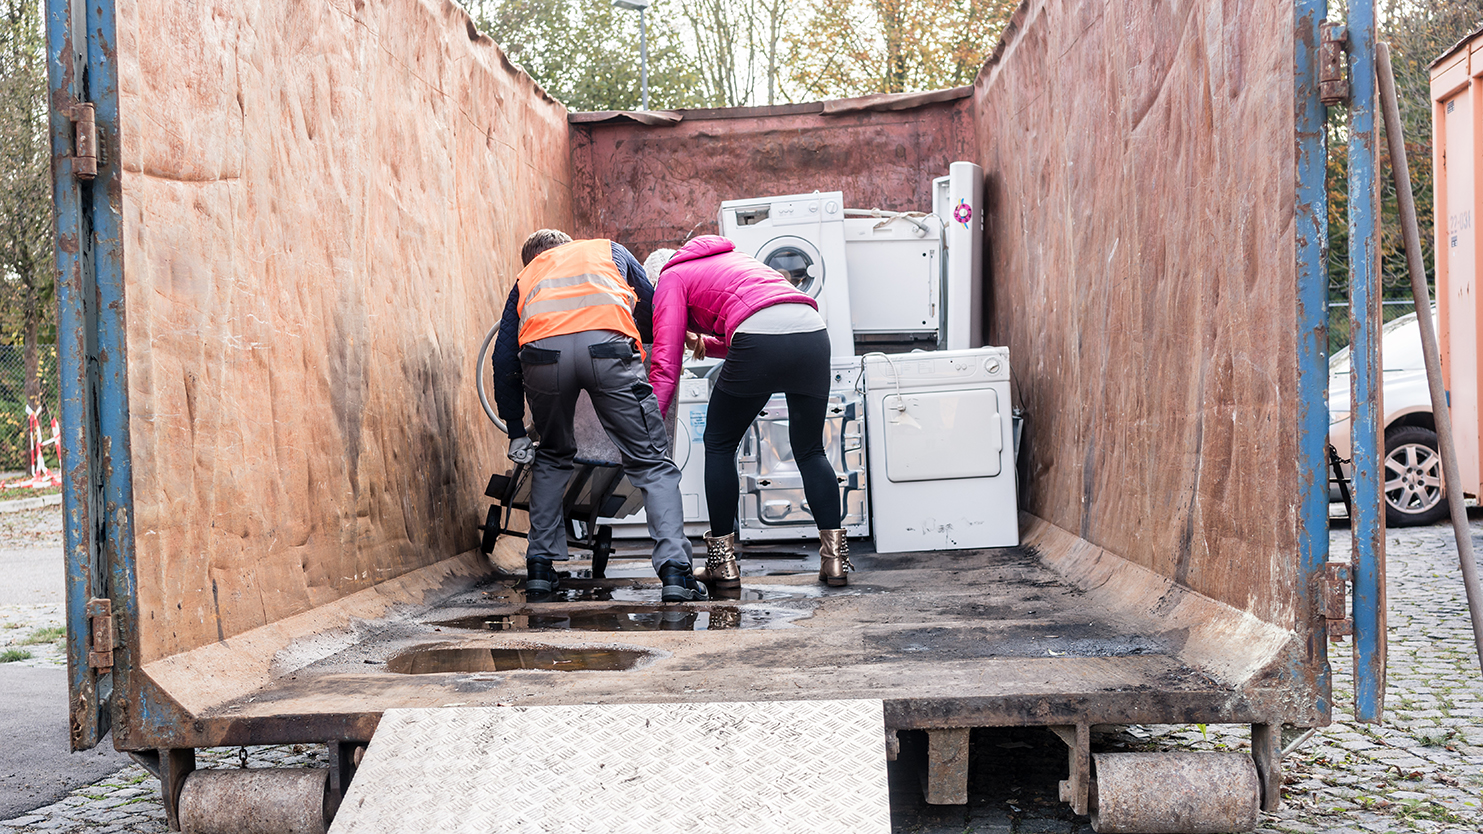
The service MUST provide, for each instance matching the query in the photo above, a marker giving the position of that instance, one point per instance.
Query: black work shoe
(540, 578)
(680, 584)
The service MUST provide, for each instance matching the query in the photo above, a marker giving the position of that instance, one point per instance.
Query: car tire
(1413, 478)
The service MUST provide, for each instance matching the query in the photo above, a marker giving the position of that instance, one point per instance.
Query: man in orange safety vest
(576, 320)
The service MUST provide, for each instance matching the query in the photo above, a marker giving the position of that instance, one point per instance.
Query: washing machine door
(798, 259)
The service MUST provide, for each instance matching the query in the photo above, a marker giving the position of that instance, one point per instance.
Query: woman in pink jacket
(774, 341)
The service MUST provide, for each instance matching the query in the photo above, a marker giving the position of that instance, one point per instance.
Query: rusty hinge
(85, 148)
(100, 649)
(1333, 70)
(1333, 602)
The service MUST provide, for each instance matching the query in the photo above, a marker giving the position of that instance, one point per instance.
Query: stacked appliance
(941, 450)
(922, 448)
(773, 505)
(801, 235)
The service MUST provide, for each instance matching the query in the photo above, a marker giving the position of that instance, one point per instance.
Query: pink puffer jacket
(708, 288)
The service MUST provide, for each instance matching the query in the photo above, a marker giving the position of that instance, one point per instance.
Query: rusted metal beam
(947, 766)
(174, 766)
(1266, 753)
(1077, 789)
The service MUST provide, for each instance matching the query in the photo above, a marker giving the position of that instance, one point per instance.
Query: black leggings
(758, 366)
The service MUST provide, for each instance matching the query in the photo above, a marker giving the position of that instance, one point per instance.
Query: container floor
(962, 638)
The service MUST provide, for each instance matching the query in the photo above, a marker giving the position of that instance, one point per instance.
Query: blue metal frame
(66, 77)
(97, 481)
(1368, 524)
(1312, 294)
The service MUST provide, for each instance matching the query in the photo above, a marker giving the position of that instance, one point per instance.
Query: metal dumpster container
(1455, 151)
(283, 227)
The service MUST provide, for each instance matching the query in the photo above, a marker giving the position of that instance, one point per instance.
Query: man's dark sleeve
(509, 381)
(643, 312)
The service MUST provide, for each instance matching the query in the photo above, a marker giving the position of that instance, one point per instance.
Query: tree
(856, 47)
(585, 53)
(26, 273)
(1418, 32)
(738, 46)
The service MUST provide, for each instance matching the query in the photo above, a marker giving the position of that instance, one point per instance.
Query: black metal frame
(595, 479)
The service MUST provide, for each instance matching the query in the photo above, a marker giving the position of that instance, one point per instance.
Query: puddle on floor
(633, 618)
(427, 661)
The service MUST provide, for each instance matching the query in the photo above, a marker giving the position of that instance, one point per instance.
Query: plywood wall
(323, 205)
(655, 186)
(1140, 184)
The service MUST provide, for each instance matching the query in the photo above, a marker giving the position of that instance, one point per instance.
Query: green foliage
(26, 278)
(49, 634)
(726, 53)
(855, 47)
(1418, 33)
(585, 53)
(12, 655)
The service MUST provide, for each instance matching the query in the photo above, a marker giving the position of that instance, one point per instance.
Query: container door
(83, 119)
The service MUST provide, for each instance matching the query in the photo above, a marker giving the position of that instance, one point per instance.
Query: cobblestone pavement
(1419, 771)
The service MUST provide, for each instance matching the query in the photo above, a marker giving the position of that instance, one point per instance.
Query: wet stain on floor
(434, 660)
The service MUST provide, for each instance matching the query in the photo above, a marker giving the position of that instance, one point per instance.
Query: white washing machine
(773, 505)
(803, 236)
(941, 446)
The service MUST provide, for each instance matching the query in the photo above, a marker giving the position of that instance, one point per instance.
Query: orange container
(1457, 103)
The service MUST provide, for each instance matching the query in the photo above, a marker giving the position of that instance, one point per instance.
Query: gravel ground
(1419, 771)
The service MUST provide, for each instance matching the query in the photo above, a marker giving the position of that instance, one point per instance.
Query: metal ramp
(756, 767)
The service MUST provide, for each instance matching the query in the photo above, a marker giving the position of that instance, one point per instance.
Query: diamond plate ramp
(777, 766)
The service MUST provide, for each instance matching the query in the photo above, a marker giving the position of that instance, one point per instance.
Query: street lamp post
(640, 5)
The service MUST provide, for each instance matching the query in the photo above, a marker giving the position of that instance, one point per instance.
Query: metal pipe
(1450, 475)
(1175, 793)
(255, 801)
(643, 62)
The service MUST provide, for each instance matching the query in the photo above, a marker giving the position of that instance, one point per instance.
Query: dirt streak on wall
(1140, 184)
(323, 205)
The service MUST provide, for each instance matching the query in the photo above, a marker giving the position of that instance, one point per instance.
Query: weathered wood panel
(323, 205)
(1140, 184)
(655, 186)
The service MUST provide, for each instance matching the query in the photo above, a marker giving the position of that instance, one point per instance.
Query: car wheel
(1413, 477)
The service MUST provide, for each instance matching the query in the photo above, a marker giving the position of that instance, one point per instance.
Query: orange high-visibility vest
(574, 288)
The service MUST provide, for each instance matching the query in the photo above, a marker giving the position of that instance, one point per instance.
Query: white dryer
(803, 236)
(941, 446)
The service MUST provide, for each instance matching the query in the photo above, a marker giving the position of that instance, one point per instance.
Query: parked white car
(1413, 468)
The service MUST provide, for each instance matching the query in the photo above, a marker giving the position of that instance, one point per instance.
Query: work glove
(521, 450)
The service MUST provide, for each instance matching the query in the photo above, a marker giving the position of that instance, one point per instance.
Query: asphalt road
(31, 556)
(35, 767)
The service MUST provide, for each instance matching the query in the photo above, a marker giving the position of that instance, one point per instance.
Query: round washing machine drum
(798, 259)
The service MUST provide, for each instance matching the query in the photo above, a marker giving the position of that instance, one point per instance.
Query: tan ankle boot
(720, 569)
(834, 557)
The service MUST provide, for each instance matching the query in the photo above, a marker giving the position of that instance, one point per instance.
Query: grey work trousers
(606, 365)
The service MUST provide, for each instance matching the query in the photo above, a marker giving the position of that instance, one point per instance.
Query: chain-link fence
(14, 444)
(1390, 310)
